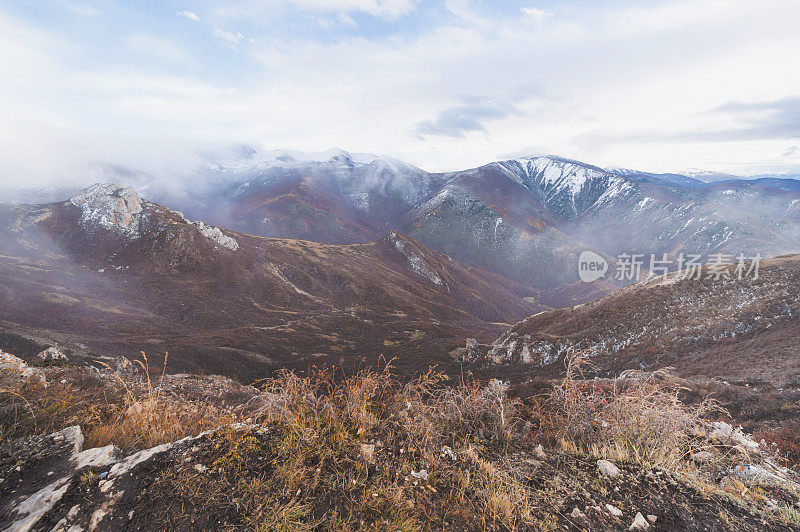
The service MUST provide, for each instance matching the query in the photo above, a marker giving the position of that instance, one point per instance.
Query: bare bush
(642, 422)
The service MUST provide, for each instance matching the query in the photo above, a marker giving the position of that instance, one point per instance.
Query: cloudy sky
(449, 84)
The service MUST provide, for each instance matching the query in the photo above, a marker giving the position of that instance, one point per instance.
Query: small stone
(577, 514)
(368, 451)
(421, 475)
(639, 523)
(652, 518)
(613, 510)
(200, 468)
(608, 469)
(539, 452)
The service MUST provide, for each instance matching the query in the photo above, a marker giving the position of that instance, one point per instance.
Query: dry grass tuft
(339, 453)
(370, 451)
(642, 422)
(128, 411)
(145, 417)
(31, 407)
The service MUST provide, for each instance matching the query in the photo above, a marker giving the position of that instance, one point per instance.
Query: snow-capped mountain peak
(567, 186)
(255, 159)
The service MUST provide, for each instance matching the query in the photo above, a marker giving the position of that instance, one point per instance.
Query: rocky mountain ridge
(526, 218)
(108, 271)
(717, 325)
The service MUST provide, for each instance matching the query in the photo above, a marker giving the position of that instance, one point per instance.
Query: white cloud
(347, 20)
(583, 85)
(228, 38)
(535, 14)
(249, 10)
(391, 9)
(190, 15)
(80, 8)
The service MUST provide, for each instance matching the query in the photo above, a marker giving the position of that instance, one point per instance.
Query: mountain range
(106, 272)
(526, 219)
(295, 259)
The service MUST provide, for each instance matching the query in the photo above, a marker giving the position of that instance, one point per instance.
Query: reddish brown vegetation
(270, 304)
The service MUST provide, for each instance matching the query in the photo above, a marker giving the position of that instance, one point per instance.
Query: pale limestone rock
(639, 523)
(110, 206)
(215, 234)
(703, 457)
(51, 353)
(608, 469)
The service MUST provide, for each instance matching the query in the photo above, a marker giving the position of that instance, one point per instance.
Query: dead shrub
(468, 412)
(786, 443)
(642, 421)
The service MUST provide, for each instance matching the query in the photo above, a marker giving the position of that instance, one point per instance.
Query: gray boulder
(110, 206)
(12, 367)
(608, 469)
(51, 353)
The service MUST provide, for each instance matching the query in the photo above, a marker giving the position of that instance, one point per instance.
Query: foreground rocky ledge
(371, 452)
(52, 483)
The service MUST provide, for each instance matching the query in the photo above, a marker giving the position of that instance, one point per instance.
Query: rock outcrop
(45, 481)
(38, 471)
(215, 234)
(51, 354)
(15, 367)
(110, 206)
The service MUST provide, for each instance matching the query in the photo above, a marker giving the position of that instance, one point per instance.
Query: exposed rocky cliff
(110, 206)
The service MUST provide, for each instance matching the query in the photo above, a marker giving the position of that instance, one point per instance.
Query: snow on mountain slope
(708, 176)
(248, 159)
(567, 187)
(667, 179)
(369, 185)
(386, 183)
(525, 218)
